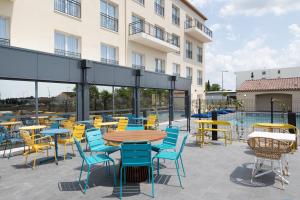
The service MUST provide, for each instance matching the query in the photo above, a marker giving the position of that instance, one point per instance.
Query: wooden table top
(142, 135)
(10, 123)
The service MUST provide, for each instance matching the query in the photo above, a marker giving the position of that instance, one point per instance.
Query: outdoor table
(141, 119)
(32, 128)
(108, 124)
(134, 174)
(288, 137)
(58, 119)
(54, 132)
(10, 125)
(88, 123)
(118, 118)
(40, 117)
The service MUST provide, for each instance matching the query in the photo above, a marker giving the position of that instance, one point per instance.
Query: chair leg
(176, 163)
(158, 166)
(65, 151)
(34, 161)
(10, 147)
(281, 174)
(81, 171)
(124, 175)
(26, 154)
(152, 177)
(4, 149)
(121, 182)
(149, 174)
(73, 150)
(182, 165)
(114, 172)
(253, 169)
(87, 179)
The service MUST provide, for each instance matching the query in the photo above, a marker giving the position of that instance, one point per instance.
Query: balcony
(162, 71)
(69, 7)
(138, 66)
(109, 22)
(109, 61)
(149, 35)
(198, 30)
(4, 42)
(67, 53)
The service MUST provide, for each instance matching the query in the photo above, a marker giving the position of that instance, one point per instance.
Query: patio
(213, 172)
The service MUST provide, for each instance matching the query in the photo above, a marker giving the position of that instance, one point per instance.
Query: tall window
(200, 54)
(176, 69)
(175, 40)
(67, 45)
(137, 24)
(159, 7)
(159, 65)
(159, 33)
(142, 2)
(188, 22)
(189, 72)
(109, 15)
(109, 54)
(199, 77)
(70, 7)
(175, 15)
(4, 31)
(189, 50)
(138, 60)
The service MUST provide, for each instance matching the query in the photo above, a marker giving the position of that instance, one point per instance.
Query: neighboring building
(266, 74)
(164, 36)
(256, 94)
(216, 96)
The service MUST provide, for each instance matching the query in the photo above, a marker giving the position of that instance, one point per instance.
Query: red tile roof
(279, 84)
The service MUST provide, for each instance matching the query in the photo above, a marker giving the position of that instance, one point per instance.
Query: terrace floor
(214, 172)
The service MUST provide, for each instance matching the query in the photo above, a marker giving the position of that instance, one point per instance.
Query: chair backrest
(151, 120)
(135, 127)
(182, 145)
(172, 136)
(94, 137)
(98, 122)
(81, 153)
(136, 153)
(55, 125)
(68, 124)
(25, 135)
(72, 118)
(4, 131)
(122, 124)
(78, 131)
(269, 148)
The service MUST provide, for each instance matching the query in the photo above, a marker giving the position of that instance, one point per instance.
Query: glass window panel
(4, 28)
(123, 98)
(101, 99)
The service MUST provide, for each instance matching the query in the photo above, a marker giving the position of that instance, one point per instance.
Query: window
(175, 40)
(70, 7)
(109, 54)
(137, 60)
(138, 24)
(188, 22)
(159, 7)
(175, 15)
(142, 2)
(176, 69)
(67, 45)
(199, 77)
(159, 32)
(188, 72)
(189, 50)
(4, 31)
(199, 54)
(109, 15)
(159, 65)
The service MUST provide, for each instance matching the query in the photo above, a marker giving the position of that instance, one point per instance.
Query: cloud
(199, 3)
(254, 54)
(259, 7)
(226, 30)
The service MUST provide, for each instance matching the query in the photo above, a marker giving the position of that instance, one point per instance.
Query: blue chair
(96, 142)
(54, 125)
(175, 156)
(92, 160)
(9, 139)
(135, 127)
(136, 154)
(170, 141)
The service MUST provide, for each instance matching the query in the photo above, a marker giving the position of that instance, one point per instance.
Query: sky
(250, 34)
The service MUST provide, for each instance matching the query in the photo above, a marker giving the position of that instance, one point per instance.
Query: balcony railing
(4, 42)
(138, 66)
(109, 61)
(145, 27)
(109, 22)
(160, 71)
(194, 23)
(159, 9)
(175, 19)
(176, 74)
(70, 7)
(67, 53)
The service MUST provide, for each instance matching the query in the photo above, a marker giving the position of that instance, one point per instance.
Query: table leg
(56, 148)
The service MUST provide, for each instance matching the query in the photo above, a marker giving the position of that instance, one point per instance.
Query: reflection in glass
(101, 99)
(179, 107)
(123, 99)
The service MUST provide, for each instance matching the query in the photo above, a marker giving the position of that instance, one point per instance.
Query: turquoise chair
(54, 125)
(135, 127)
(92, 160)
(175, 156)
(96, 142)
(136, 154)
(170, 141)
(9, 139)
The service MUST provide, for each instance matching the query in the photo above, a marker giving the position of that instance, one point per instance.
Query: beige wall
(260, 101)
(33, 23)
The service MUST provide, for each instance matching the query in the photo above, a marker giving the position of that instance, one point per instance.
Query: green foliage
(207, 86)
(215, 87)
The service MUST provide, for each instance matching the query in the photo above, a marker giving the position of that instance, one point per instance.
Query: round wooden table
(134, 174)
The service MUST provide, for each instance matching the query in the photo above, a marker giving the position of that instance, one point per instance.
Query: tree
(207, 86)
(94, 95)
(215, 87)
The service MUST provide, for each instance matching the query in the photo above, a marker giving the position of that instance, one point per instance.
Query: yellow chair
(78, 133)
(98, 122)
(151, 122)
(122, 125)
(36, 144)
(68, 124)
(72, 118)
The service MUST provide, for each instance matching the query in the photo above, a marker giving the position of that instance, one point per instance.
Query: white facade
(266, 74)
